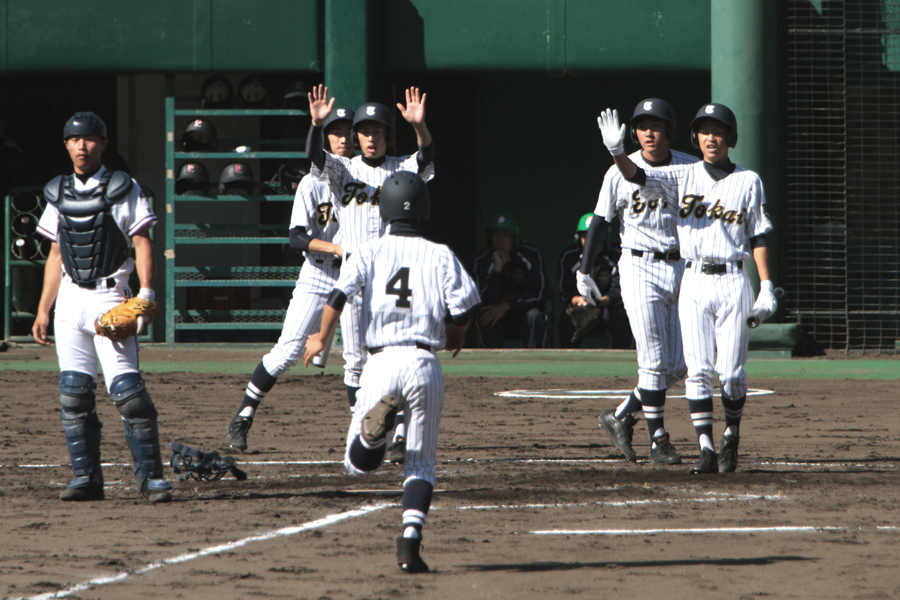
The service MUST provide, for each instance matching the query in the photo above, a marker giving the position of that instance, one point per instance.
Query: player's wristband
(147, 294)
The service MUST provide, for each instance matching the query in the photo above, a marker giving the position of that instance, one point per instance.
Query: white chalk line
(565, 394)
(691, 531)
(627, 503)
(285, 531)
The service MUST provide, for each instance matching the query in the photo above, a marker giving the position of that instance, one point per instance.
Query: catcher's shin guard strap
(190, 463)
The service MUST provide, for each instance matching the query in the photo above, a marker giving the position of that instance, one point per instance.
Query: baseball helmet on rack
(404, 196)
(199, 135)
(720, 113)
(84, 123)
(192, 177)
(655, 107)
(236, 179)
(379, 113)
(216, 92)
(295, 93)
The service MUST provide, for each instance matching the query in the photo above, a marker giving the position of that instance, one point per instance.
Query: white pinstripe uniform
(356, 188)
(407, 286)
(716, 220)
(312, 211)
(649, 286)
(78, 346)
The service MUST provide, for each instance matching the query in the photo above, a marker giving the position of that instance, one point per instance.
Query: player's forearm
(322, 247)
(593, 243)
(330, 319)
(625, 165)
(143, 259)
(315, 147)
(423, 136)
(761, 258)
(52, 279)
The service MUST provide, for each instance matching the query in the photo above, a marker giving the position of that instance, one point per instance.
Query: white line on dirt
(780, 529)
(626, 503)
(329, 520)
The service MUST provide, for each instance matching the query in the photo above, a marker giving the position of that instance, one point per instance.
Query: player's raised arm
(414, 113)
(613, 134)
(319, 109)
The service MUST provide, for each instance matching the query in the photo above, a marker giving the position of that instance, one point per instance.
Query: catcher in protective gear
(126, 319)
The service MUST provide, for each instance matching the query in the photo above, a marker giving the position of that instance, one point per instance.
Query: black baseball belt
(715, 269)
(668, 255)
(92, 285)
(335, 262)
(419, 345)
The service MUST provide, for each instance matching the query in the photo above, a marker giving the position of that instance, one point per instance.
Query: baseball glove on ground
(121, 321)
(585, 319)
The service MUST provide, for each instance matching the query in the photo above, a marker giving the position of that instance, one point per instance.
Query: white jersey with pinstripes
(649, 286)
(408, 286)
(716, 220)
(357, 187)
(312, 212)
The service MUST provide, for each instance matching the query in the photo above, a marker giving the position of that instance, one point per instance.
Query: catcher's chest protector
(90, 241)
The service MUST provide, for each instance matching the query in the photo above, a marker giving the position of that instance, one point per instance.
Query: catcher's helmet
(654, 107)
(504, 221)
(192, 177)
(236, 178)
(84, 123)
(373, 111)
(720, 113)
(584, 223)
(200, 134)
(404, 196)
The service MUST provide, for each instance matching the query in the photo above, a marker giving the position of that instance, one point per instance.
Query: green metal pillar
(744, 65)
(347, 37)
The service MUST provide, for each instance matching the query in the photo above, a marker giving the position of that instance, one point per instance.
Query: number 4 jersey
(409, 286)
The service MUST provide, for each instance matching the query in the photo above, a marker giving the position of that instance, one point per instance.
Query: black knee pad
(76, 394)
(132, 399)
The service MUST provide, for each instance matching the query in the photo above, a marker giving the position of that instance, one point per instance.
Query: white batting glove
(613, 133)
(150, 296)
(766, 303)
(587, 287)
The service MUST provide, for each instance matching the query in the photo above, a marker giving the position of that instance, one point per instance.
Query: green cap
(584, 222)
(504, 222)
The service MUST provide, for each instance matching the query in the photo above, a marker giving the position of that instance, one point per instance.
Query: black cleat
(708, 462)
(408, 555)
(398, 450)
(79, 491)
(662, 451)
(379, 421)
(236, 437)
(728, 454)
(157, 494)
(620, 431)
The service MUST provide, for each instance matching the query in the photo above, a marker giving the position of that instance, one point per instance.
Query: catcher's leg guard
(82, 430)
(141, 434)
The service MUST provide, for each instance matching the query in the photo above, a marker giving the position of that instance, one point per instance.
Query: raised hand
(319, 104)
(414, 111)
(613, 132)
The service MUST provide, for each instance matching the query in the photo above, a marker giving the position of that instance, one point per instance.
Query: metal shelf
(229, 198)
(229, 319)
(235, 276)
(230, 234)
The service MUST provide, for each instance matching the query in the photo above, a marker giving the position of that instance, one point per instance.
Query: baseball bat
(322, 358)
(759, 315)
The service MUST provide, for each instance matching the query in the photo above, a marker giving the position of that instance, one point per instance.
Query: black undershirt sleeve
(593, 243)
(299, 239)
(460, 320)
(336, 299)
(758, 241)
(639, 177)
(315, 147)
(425, 156)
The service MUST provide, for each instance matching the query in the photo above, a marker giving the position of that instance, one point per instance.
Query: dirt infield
(532, 500)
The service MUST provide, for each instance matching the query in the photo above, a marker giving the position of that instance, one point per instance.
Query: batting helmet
(504, 221)
(84, 123)
(584, 223)
(199, 134)
(339, 114)
(372, 111)
(654, 107)
(720, 113)
(404, 196)
(236, 178)
(192, 177)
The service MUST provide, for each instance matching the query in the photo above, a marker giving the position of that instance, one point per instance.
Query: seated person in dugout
(509, 274)
(578, 318)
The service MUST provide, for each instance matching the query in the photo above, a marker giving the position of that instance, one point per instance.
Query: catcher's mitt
(209, 466)
(121, 321)
(585, 319)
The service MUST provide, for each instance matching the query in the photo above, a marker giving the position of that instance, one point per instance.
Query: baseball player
(93, 218)
(609, 313)
(651, 269)
(510, 278)
(417, 299)
(313, 231)
(722, 222)
(356, 185)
